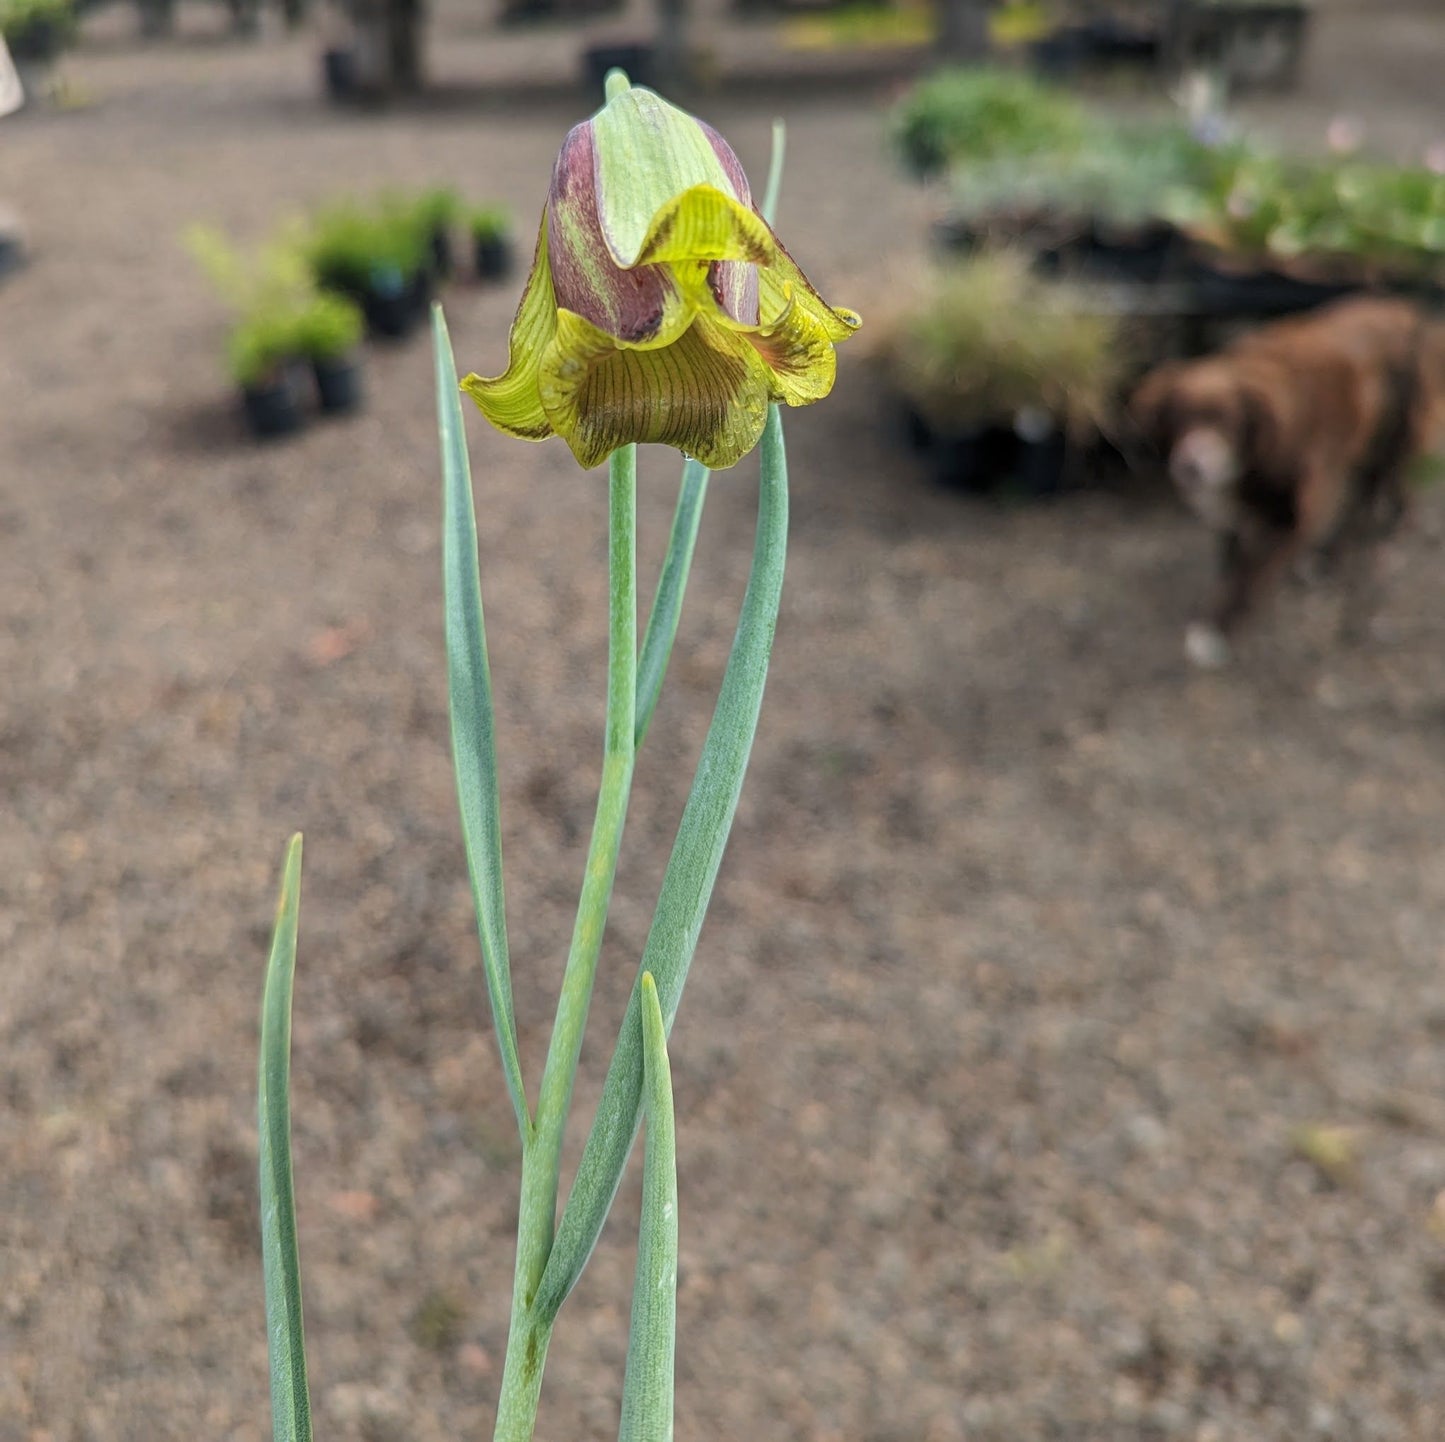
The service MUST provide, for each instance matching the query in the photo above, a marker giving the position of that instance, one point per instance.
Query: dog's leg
(1254, 564)
(1206, 642)
(1251, 567)
(1364, 577)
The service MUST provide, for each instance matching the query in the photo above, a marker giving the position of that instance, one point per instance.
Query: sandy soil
(1065, 1056)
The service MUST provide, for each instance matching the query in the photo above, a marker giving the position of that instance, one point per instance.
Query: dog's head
(1211, 424)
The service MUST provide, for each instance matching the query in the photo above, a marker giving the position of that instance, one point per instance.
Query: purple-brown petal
(627, 304)
(732, 166)
(734, 286)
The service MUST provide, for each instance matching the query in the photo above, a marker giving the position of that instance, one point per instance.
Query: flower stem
(542, 1157)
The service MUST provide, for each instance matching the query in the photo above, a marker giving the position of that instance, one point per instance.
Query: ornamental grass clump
(661, 307)
(986, 341)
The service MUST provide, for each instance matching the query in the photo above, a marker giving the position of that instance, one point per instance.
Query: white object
(1206, 646)
(12, 96)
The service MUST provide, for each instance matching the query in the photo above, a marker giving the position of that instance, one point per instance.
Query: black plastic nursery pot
(273, 406)
(422, 289)
(339, 384)
(979, 460)
(1225, 292)
(1141, 257)
(1094, 43)
(341, 73)
(1041, 464)
(12, 254)
(37, 43)
(972, 458)
(439, 248)
(391, 304)
(994, 458)
(494, 257)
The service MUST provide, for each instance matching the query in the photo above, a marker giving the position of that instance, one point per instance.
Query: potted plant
(282, 323)
(36, 31)
(983, 114)
(377, 257)
(437, 212)
(328, 330)
(1001, 375)
(265, 365)
(491, 229)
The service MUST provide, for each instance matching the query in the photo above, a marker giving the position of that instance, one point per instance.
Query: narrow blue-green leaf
(647, 1388)
(671, 584)
(775, 172)
(281, 1267)
(474, 746)
(667, 604)
(686, 886)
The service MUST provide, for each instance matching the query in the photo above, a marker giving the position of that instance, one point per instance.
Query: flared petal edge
(511, 401)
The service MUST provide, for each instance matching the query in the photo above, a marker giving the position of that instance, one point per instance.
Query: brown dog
(1295, 438)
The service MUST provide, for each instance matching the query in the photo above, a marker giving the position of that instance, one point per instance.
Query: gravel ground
(1065, 1057)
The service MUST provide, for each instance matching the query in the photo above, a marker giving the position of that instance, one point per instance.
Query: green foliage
(259, 344)
(22, 20)
(1025, 161)
(280, 315)
(349, 247)
(274, 277)
(987, 340)
(983, 114)
(438, 208)
(318, 327)
(1121, 179)
(489, 222)
(1339, 215)
(328, 327)
(280, 1259)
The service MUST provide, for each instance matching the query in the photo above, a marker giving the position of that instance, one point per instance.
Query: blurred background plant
(37, 30)
(987, 340)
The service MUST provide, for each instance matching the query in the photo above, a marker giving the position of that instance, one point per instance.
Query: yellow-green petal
(706, 394)
(783, 286)
(703, 224)
(511, 401)
(798, 351)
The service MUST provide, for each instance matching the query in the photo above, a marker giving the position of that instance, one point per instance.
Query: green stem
(542, 1157)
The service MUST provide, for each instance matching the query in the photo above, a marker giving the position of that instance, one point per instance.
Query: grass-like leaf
(775, 172)
(290, 1399)
(474, 748)
(647, 1388)
(686, 886)
(671, 584)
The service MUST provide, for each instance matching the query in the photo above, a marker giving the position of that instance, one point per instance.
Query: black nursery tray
(993, 459)
(1262, 293)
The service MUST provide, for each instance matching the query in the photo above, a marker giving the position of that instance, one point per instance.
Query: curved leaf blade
(647, 1388)
(280, 1262)
(473, 722)
(672, 583)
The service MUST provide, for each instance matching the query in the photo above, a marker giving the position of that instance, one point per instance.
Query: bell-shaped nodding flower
(660, 306)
